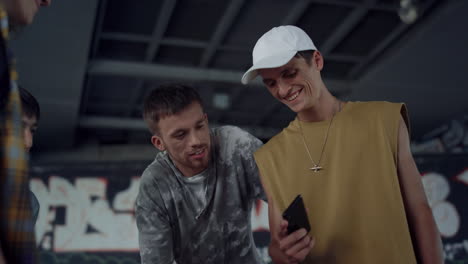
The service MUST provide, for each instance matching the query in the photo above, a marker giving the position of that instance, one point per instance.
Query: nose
(28, 139)
(283, 88)
(195, 139)
(46, 2)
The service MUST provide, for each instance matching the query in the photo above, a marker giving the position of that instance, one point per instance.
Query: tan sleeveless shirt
(355, 205)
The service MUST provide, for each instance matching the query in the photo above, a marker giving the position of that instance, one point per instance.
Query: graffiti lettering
(78, 216)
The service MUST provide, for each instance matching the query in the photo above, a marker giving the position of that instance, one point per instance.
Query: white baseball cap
(275, 48)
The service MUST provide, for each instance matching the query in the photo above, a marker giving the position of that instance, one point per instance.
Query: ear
(158, 142)
(317, 60)
(206, 118)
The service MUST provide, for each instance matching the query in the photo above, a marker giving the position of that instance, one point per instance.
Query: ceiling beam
(188, 43)
(344, 57)
(85, 96)
(385, 43)
(164, 17)
(96, 122)
(138, 87)
(134, 96)
(129, 37)
(159, 71)
(296, 12)
(98, 35)
(378, 50)
(221, 30)
(337, 57)
(337, 2)
(348, 24)
(102, 6)
(346, 3)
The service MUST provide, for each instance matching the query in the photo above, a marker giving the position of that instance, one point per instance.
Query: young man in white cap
(351, 162)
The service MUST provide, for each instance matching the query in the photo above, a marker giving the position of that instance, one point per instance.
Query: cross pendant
(315, 168)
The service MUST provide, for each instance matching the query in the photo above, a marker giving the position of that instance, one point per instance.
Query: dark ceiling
(130, 47)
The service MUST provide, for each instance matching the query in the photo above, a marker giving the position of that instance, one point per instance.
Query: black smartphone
(296, 215)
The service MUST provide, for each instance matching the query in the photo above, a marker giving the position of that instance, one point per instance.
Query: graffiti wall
(87, 214)
(445, 179)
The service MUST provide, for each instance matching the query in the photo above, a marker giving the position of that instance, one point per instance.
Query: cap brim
(274, 61)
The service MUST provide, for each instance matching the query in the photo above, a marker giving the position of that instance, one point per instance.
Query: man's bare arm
(283, 248)
(426, 237)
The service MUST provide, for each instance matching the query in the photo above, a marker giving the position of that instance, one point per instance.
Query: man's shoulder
(156, 170)
(275, 143)
(154, 181)
(231, 142)
(374, 105)
(233, 134)
(375, 108)
(229, 131)
(382, 112)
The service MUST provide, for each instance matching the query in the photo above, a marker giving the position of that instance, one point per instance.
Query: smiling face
(297, 84)
(186, 138)
(22, 12)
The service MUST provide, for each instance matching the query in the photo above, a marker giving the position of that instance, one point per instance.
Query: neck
(326, 107)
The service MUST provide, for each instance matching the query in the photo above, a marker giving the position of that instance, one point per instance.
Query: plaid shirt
(16, 224)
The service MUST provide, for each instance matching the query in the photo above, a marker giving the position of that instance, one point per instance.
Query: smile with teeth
(198, 152)
(293, 95)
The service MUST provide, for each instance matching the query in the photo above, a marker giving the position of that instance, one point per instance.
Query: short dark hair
(306, 54)
(29, 104)
(166, 100)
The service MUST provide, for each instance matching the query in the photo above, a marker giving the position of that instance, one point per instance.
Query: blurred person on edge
(17, 240)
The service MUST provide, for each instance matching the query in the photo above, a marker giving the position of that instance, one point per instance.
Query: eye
(179, 135)
(290, 74)
(200, 125)
(269, 83)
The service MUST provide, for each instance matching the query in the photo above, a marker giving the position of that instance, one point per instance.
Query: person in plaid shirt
(17, 240)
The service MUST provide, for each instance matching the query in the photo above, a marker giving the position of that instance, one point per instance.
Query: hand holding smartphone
(296, 215)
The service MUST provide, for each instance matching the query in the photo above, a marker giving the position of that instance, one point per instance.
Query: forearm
(424, 232)
(426, 236)
(155, 251)
(154, 237)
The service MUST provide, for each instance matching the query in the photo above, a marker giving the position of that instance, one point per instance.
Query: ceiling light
(408, 11)
(221, 101)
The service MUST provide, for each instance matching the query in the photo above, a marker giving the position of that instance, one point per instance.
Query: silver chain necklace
(317, 167)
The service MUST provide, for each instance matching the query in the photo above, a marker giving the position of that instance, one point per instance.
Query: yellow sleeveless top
(355, 206)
